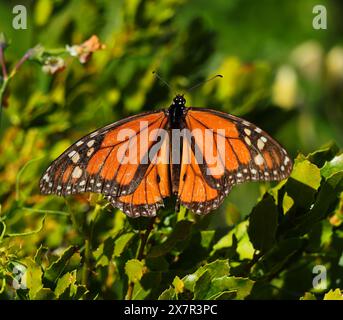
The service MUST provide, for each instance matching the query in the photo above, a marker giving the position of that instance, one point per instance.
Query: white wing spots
(94, 134)
(46, 177)
(286, 161)
(59, 187)
(266, 173)
(258, 130)
(90, 143)
(282, 168)
(264, 139)
(258, 160)
(275, 173)
(245, 170)
(246, 123)
(82, 183)
(77, 173)
(98, 184)
(79, 143)
(253, 171)
(90, 152)
(247, 131)
(247, 141)
(76, 157)
(260, 144)
(239, 175)
(71, 154)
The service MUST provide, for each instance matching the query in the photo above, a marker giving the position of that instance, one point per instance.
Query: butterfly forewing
(233, 151)
(95, 163)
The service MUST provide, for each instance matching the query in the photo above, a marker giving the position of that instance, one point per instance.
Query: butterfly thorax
(177, 112)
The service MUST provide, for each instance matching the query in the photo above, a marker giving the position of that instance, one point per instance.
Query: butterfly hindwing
(227, 150)
(151, 189)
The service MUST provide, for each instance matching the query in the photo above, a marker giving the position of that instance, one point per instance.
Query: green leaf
(263, 223)
(148, 286)
(59, 266)
(303, 183)
(178, 285)
(44, 294)
(180, 233)
(134, 270)
(306, 173)
(216, 268)
(64, 283)
(334, 295)
(227, 241)
(168, 294)
(273, 261)
(308, 296)
(225, 295)
(325, 153)
(67, 288)
(206, 238)
(34, 275)
(40, 253)
(242, 286)
(202, 285)
(122, 243)
(332, 167)
(210, 287)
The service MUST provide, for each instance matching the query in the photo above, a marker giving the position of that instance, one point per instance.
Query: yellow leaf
(134, 270)
(334, 295)
(178, 285)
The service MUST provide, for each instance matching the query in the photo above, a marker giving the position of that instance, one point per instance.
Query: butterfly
(196, 154)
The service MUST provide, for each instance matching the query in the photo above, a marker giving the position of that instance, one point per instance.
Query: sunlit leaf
(334, 295)
(134, 270)
(55, 270)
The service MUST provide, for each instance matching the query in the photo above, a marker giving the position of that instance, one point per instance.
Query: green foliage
(263, 242)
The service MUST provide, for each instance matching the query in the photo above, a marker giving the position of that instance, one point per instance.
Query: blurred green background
(279, 72)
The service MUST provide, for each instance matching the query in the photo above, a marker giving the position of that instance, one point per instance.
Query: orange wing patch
(194, 192)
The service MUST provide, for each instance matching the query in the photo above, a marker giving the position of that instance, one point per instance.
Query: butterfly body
(194, 153)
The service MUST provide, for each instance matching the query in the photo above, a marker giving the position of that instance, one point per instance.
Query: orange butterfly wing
(115, 161)
(225, 150)
(152, 188)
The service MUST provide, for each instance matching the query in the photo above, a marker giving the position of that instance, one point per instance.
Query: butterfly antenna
(162, 80)
(202, 82)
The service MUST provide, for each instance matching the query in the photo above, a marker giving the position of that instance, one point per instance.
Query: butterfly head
(179, 100)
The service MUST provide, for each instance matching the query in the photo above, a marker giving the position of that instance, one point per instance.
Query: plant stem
(2, 62)
(140, 254)
(86, 265)
(88, 247)
(25, 57)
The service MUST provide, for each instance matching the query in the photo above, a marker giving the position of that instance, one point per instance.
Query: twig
(3, 64)
(87, 266)
(140, 255)
(25, 57)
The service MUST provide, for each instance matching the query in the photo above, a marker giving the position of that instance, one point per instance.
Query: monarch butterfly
(160, 168)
